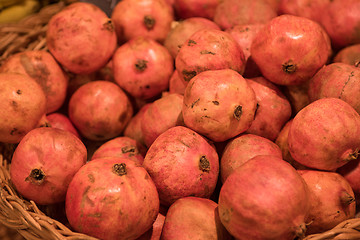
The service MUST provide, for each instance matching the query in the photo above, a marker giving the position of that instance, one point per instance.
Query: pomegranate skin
(145, 18)
(337, 80)
(61, 121)
(290, 49)
(78, 25)
(22, 106)
(351, 172)
(117, 191)
(176, 84)
(44, 163)
(242, 148)
(191, 218)
(209, 49)
(349, 55)
(324, 135)
(182, 163)
(332, 200)
(43, 68)
(143, 67)
(100, 110)
(251, 201)
(185, 9)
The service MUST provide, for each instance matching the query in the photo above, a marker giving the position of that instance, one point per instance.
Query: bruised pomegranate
(81, 37)
(297, 46)
(112, 190)
(142, 67)
(145, 18)
(22, 104)
(332, 200)
(100, 110)
(183, 30)
(122, 146)
(209, 49)
(44, 163)
(219, 104)
(273, 109)
(349, 55)
(191, 218)
(252, 201)
(195, 8)
(42, 67)
(161, 115)
(242, 148)
(238, 12)
(182, 163)
(325, 134)
(61, 121)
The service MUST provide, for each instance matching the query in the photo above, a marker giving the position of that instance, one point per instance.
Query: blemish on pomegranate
(13, 131)
(204, 164)
(195, 102)
(256, 109)
(215, 102)
(238, 112)
(140, 65)
(109, 26)
(191, 42)
(347, 81)
(14, 104)
(207, 52)
(128, 149)
(149, 22)
(91, 178)
(289, 67)
(147, 86)
(119, 169)
(19, 92)
(188, 75)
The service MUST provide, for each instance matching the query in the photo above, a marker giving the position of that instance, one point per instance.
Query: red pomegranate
(81, 37)
(143, 67)
(332, 200)
(209, 49)
(142, 18)
(42, 67)
(100, 110)
(241, 149)
(22, 104)
(44, 163)
(195, 8)
(251, 201)
(349, 55)
(325, 134)
(112, 190)
(290, 49)
(61, 121)
(351, 172)
(182, 163)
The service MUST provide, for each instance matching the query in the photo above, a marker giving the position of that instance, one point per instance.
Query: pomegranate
(78, 25)
(351, 172)
(209, 49)
(242, 148)
(161, 115)
(251, 200)
(238, 12)
(176, 84)
(182, 163)
(297, 96)
(100, 110)
(195, 8)
(61, 121)
(332, 200)
(325, 134)
(349, 55)
(142, 67)
(337, 80)
(112, 190)
(311, 9)
(273, 109)
(22, 104)
(341, 19)
(191, 218)
(145, 18)
(183, 30)
(219, 104)
(41, 66)
(122, 146)
(297, 46)
(44, 163)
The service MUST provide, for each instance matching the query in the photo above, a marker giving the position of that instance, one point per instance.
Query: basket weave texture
(20, 218)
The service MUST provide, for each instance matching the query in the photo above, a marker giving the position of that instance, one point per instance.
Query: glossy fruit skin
(44, 163)
(100, 110)
(22, 104)
(81, 37)
(44, 69)
(298, 47)
(117, 190)
(251, 200)
(324, 135)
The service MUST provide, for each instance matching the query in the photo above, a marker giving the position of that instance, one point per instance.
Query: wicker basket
(20, 218)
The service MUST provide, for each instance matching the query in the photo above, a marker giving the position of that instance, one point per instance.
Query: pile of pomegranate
(190, 119)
